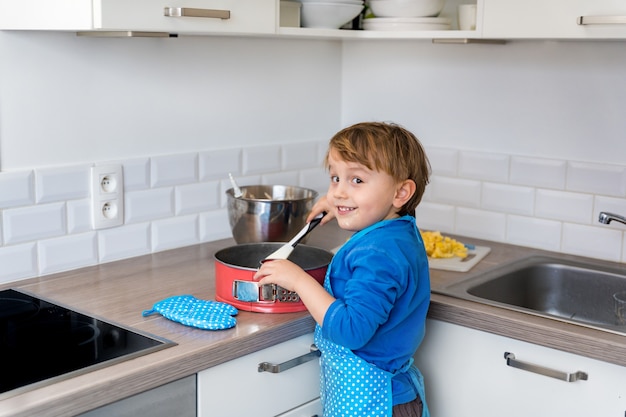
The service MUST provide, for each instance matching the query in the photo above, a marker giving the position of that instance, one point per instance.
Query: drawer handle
(191, 12)
(124, 34)
(601, 20)
(553, 373)
(280, 367)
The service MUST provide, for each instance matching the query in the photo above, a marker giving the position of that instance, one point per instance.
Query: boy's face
(359, 196)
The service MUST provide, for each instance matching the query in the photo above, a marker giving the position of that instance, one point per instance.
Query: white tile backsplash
(78, 216)
(597, 178)
(508, 198)
(457, 191)
(299, 155)
(179, 200)
(443, 161)
(194, 198)
(261, 159)
(17, 189)
(62, 183)
(545, 173)
(67, 252)
(484, 166)
(136, 174)
(18, 262)
(33, 223)
(214, 165)
(282, 178)
(175, 232)
(433, 216)
(322, 150)
(564, 206)
(214, 225)
(592, 241)
(173, 169)
(152, 204)
(562, 215)
(315, 178)
(534, 232)
(124, 242)
(481, 224)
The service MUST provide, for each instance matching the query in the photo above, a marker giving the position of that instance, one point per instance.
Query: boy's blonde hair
(385, 147)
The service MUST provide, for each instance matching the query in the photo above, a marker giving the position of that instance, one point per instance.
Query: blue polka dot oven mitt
(191, 311)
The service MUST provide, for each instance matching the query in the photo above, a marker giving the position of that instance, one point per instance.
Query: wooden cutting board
(457, 264)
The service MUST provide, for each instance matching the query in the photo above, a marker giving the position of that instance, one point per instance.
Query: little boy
(371, 311)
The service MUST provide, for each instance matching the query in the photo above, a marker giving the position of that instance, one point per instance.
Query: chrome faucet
(606, 218)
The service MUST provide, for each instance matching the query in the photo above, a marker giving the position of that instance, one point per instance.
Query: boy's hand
(320, 206)
(281, 272)
(291, 277)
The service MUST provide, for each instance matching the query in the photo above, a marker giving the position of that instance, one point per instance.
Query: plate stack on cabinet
(398, 15)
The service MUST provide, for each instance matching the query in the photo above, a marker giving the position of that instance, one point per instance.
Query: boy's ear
(404, 192)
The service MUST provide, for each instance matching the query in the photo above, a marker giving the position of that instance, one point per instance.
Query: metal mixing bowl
(268, 213)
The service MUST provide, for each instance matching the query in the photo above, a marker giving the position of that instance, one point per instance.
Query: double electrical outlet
(107, 196)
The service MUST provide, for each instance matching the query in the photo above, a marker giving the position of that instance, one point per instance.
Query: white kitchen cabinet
(248, 17)
(554, 19)
(244, 16)
(237, 388)
(495, 20)
(310, 409)
(466, 375)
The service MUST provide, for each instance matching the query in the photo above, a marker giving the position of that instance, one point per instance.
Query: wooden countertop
(121, 290)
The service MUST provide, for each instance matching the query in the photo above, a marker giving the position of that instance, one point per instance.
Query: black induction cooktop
(41, 343)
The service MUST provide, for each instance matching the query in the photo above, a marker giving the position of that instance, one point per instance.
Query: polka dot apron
(353, 387)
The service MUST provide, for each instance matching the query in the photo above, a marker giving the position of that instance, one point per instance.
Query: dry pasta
(439, 246)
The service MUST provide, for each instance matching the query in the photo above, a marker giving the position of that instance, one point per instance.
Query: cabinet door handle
(191, 12)
(124, 34)
(280, 367)
(553, 373)
(601, 20)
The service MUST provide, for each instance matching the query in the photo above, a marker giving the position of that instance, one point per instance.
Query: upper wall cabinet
(554, 19)
(495, 19)
(248, 17)
(171, 16)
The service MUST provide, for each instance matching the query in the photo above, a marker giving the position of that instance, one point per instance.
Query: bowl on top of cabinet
(329, 14)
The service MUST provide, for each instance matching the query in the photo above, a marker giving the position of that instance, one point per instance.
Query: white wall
(178, 114)
(68, 99)
(554, 99)
(527, 140)
(518, 135)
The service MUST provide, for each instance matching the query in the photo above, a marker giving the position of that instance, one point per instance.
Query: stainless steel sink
(571, 291)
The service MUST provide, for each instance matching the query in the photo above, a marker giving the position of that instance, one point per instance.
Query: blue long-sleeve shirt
(381, 283)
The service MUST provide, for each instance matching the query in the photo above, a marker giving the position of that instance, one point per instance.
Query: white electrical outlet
(107, 196)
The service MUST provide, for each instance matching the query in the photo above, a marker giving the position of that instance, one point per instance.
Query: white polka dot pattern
(350, 386)
(191, 311)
